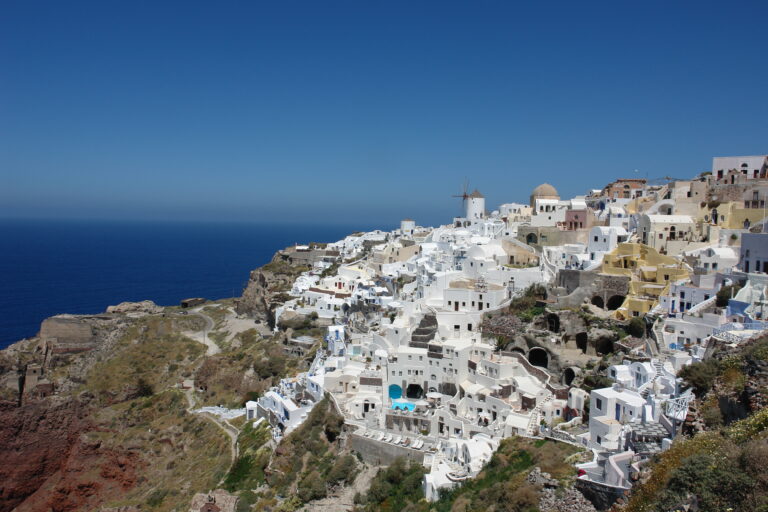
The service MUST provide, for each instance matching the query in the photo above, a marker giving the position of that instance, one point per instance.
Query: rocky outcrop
(553, 498)
(256, 299)
(146, 307)
(266, 289)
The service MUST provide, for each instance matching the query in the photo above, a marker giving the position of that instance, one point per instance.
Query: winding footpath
(202, 336)
(228, 429)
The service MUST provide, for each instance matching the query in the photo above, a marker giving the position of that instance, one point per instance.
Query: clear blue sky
(324, 111)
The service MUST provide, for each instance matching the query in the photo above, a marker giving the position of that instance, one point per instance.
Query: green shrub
(700, 376)
(344, 470)
(725, 293)
(311, 487)
(636, 327)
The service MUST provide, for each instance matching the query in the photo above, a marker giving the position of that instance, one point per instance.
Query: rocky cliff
(267, 288)
(91, 414)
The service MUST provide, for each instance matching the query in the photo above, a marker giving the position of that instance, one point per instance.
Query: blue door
(618, 412)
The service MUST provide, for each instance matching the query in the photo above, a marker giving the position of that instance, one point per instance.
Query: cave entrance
(598, 301)
(553, 322)
(531, 239)
(538, 357)
(604, 346)
(414, 391)
(581, 342)
(568, 375)
(615, 302)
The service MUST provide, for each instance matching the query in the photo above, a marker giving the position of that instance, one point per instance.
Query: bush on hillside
(636, 327)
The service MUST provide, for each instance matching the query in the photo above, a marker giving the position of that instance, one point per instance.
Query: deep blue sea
(52, 267)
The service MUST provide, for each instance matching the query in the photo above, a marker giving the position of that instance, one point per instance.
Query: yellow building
(729, 215)
(650, 275)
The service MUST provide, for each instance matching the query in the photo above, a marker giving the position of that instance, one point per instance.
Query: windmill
(464, 196)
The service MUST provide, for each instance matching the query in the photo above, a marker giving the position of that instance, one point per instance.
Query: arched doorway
(414, 391)
(538, 357)
(531, 238)
(581, 342)
(598, 301)
(395, 391)
(615, 302)
(553, 322)
(518, 350)
(568, 375)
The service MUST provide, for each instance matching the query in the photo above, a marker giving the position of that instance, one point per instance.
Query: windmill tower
(473, 204)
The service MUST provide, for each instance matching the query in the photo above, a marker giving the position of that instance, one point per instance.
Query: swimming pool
(404, 405)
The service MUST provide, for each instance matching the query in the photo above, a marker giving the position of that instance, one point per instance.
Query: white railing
(727, 332)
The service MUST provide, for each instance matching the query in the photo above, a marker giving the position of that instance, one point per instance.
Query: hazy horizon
(326, 112)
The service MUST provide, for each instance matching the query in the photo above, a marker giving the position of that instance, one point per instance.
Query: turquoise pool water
(404, 405)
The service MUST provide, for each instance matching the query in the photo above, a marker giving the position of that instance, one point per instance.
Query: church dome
(544, 191)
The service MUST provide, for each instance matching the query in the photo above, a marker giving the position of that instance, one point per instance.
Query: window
(598, 405)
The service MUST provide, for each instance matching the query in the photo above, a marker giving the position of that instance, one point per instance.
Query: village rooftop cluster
(425, 359)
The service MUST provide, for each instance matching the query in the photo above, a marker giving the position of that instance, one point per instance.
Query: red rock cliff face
(48, 463)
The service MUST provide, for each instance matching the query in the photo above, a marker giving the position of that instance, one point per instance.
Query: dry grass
(181, 453)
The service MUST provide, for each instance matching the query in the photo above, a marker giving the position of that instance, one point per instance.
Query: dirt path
(345, 500)
(228, 429)
(202, 336)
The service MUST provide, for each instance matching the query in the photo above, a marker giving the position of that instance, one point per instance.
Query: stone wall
(600, 495)
(580, 286)
(382, 454)
(68, 334)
